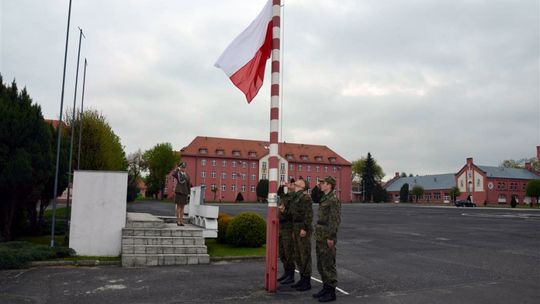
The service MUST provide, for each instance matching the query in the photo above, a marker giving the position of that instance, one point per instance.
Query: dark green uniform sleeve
(334, 217)
(307, 212)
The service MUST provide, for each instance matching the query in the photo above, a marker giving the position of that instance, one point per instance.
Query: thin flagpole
(59, 137)
(272, 222)
(81, 117)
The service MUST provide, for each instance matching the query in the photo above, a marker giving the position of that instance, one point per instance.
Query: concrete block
(204, 259)
(168, 250)
(181, 260)
(152, 250)
(193, 260)
(170, 260)
(139, 249)
(140, 260)
(127, 241)
(152, 261)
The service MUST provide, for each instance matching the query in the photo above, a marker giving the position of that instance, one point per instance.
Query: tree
(262, 189)
(403, 174)
(100, 146)
(239, 197)
(533, 189)
(359, 165)
(454, 193)
(512, 163)
(159, 161)
(134, 174)
(370, 172)
(417, 191)
(25, 156)
(404, 193)
(379, 194)
(513, 202)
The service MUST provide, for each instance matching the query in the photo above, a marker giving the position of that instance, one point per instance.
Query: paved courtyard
(387, 253)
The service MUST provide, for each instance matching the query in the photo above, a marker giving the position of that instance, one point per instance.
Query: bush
(248, 229)
(223, 222)
(513, 202)
(18, 254)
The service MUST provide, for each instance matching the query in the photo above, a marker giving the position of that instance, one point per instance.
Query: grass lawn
(42, 239)
(216, 249)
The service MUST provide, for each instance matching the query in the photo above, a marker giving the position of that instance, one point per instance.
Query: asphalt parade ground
(386, 253)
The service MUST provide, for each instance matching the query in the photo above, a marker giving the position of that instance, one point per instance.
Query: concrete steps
(148, 241)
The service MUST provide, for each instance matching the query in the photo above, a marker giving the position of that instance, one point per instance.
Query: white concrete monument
(98, 213)
(202, 215)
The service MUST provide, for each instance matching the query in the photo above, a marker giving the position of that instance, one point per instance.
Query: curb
(238, 258)
(74, 263)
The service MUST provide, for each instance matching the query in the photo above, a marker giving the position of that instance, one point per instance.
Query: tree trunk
(7, 219)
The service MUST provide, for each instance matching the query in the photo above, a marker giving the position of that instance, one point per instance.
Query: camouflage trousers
(302, 252)
(286, 247)
(326, 262)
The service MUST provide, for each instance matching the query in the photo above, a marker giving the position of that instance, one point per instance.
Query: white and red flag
(244, 60)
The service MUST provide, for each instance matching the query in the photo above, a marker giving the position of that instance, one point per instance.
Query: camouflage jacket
(301, 211)
(329, 217)
(285, 217)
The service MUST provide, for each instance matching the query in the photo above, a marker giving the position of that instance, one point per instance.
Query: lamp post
(59, 131)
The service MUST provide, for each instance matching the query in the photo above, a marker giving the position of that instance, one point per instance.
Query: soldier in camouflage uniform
(286, 246)
(326, 239)
(302, 215)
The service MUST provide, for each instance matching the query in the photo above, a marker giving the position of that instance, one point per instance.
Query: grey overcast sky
(421, 84)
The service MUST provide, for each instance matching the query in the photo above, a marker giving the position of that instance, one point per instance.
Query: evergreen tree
(262, 189)
(417, 191)
(368, 177)
(533, 189)
(404, 193)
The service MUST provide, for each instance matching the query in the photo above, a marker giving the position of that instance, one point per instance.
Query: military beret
(183, 165)
(329, 180)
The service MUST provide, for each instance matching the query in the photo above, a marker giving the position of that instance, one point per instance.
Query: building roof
(54, 123)
(255, 149)
(428, 182)
(515, 173)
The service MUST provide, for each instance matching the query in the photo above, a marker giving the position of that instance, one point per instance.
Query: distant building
(487, 184)
(495, 184)
(436, 187)
(228, 166)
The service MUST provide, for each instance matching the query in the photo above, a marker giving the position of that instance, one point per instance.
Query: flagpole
(272, 222)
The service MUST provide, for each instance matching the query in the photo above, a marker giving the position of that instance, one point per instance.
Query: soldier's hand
(302, 233)
(330, 243)
(281, 208)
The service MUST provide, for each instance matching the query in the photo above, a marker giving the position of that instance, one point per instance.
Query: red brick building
(495, 184)
(232, 166)
(490, 184)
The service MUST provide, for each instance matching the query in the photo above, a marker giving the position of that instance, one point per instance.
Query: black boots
(305, 284)
(329, 296)
(321, 292)
(283, 277)
(289, 278)
(300, 281)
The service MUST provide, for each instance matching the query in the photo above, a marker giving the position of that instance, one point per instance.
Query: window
(244, 176)
(289, 156)
(220, 152)
(223, 175)
(252, 154)
(308, 179)
(213, 187)
(243, 188)
(213, 162)
(253, 177)
(236, 153)
(318, 158)
(223, 187)
(299, 168)
(203, 162)
(282, 178)
(332, 159)
(203, 151)
(264, 165)
(308, 168)
(244, 164)
(264, 176)
(502, 198)
(224, 163)
(437, 196)
(213, 174)
(282, 167)
(291, 167)
(335, 169)
(252, 188)
(325, 168)
(478, 182)
(303, 157)
(233, 175)
(253, 165)
(233, 164)
(203, 174)
(233, 187)
(317, 169)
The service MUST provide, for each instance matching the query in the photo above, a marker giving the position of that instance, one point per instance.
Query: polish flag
(244, 60)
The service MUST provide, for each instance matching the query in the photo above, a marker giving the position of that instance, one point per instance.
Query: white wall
(99, 212)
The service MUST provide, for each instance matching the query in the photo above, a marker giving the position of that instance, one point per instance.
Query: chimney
(469, 161)
(397, 175)
(528, 166)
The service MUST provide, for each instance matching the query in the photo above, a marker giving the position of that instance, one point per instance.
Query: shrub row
(248, 229)
(18, 254)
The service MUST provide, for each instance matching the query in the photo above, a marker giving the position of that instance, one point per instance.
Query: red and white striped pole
(272, 218)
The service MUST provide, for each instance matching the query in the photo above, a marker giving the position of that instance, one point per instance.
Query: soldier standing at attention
(302, 215)
(326, 239)
(286, 246)
(181, 192)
